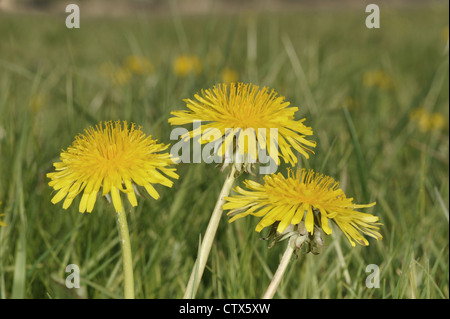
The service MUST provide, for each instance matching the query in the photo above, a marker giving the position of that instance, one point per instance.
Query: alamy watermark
(242, 146)
(373, 19)
(373, 279)
(73, 279)
(73, 19)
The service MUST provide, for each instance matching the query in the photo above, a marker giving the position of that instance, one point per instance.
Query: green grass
(316, 59)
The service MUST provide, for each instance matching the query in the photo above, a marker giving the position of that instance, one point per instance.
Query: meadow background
(377, 100)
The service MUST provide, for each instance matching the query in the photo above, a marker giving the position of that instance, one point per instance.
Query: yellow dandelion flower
(377, 78)
(426, 121)
(437, 121)
(305, 196)
(229, 75)
(445, 33)
(232, 109)
(118, 76)
(417, 113)
(420, 116)
(138, 65)
(187, 64)
(113, 158)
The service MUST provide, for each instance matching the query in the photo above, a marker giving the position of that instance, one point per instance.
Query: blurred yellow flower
(36, 102)
(445, 33)
(307, 197)
(138, 65)
(377, 78)
(2, 223)
(117, 75)
(187, 64)
(120, 76)
(113, 158)
(426, 121)
(229, 75)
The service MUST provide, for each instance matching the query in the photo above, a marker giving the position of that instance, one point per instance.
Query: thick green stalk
(200, 263)
(126, 255)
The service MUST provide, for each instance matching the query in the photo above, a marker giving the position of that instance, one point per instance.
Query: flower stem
(200, 263)
(270, 292)
(126, 255)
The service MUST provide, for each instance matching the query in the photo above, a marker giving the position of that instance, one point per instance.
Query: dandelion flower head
(138, 65)
(304, 196)
(427, 121)
(377, 78)
(187, 64)
(111, 158)
(235, 108)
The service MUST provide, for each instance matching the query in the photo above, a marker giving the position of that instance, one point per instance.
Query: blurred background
(123, 7)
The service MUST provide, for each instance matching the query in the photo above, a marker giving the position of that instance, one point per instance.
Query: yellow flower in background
(437, 121)
(187, 64)
(377, 78)
(232, 109)
(36, 102)
(138, 65)
(307, 197)
(229, 75)
(112, 158)
(445, 33)
(118, 76)
(426, 121)
(2, 223)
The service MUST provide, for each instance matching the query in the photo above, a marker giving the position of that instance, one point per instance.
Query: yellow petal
(309, 219)
(91, 201)
(152, 191)
(117, 201)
